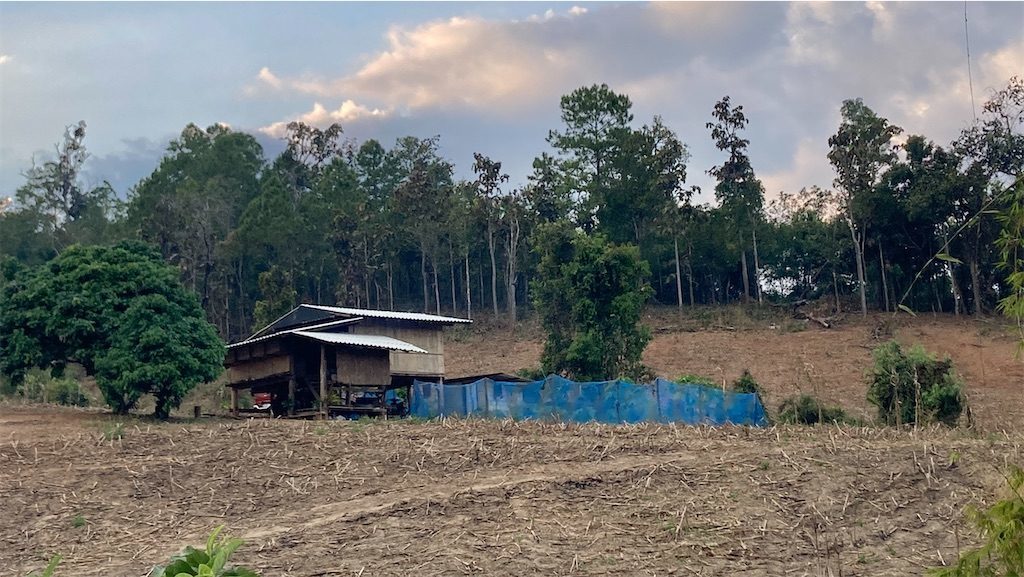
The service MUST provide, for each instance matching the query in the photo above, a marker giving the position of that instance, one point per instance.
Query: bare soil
(470, 497)
(788, 357)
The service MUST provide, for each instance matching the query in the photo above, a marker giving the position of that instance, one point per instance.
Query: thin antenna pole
(970, 79)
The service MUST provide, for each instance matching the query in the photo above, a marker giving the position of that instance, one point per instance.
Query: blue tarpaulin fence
(606, 402)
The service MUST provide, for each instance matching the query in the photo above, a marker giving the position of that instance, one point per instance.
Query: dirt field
(489, 498)
(503, 498)
(787, 358)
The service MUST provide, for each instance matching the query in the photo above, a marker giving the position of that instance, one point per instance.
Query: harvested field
(489, 498)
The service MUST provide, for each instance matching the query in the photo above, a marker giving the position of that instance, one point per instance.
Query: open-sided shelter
(322, 360)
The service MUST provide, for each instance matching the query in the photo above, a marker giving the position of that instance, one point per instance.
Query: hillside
(785, 355)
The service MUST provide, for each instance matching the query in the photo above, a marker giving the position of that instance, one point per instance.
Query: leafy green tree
(121, 314)
(860, 151)
(589, 294)
(738, 191)
(596, 123)
(189, 205)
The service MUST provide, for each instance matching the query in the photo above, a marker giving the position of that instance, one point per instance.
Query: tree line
(908, 222)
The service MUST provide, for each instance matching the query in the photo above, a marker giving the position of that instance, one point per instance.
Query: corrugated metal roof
(372, 341)
(320, 326)
(369, 313)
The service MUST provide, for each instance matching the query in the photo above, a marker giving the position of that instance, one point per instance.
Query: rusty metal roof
(371, 341)
(371, 313)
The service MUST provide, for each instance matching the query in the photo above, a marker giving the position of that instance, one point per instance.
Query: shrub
(41, 387)
(912, 386)
(696, 380)
(209, 562)
(532, 373)
(808, 410)
(1002, 531)
(746, 384)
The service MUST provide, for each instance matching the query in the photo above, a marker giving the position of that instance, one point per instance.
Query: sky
(487, 77)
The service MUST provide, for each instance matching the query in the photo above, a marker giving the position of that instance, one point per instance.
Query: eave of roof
(321, 326)
(368, 341)
(395, 315)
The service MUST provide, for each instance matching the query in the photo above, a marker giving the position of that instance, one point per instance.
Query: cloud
(268, 78)
(349, 111)
(805, 169)
(5, 58)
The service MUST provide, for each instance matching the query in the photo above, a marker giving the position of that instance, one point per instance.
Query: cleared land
(503, 498)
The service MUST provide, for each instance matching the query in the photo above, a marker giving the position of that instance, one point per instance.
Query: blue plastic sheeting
(560, 399)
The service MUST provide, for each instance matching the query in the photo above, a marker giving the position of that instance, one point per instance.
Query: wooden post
(323, 381)
(291, 383)
(234, 403)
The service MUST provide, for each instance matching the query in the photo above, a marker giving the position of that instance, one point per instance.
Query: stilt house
(322, 360)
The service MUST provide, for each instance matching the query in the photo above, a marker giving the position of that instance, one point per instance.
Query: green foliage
(808, 410)
(43, 387)
(913, 386)
(1001, 553)
(121, 314)
(78, 522)
(113, 432)
(532, 373)
(209, 562)
(696, 380)
(590, 294)
(50, 569)
(747, 384)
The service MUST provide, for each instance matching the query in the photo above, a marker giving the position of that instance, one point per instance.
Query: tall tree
(738, 191)
(860, 151)
(596, 122)
(489, 178)
(589, 294)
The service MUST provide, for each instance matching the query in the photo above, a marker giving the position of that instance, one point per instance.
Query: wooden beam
(323, 381)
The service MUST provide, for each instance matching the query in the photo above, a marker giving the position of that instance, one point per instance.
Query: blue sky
(486, 76)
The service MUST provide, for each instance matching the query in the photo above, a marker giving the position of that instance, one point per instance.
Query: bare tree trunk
(437, 289)
(881, 266)
(469, 296)
(958, 295)
(423, 276)
(689, 268)
(858, 250)
(494, 270)
(451, 271)
(366, 269)
(511, 253)
(746, 279)
(835, 287)
(679, 276)
(979, 308)
(757, 268)
(391, 289)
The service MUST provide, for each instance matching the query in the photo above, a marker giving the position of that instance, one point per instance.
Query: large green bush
(912, 386)
(121, 314)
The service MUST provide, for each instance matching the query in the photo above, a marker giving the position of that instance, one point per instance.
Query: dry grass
(493, 498)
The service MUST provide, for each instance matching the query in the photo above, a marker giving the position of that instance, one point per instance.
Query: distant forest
(333, 221)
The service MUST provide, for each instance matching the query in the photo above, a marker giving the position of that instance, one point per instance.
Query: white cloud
(269, 78)
(577, 11)
(5, 58)
(349, 111)
(808, 167)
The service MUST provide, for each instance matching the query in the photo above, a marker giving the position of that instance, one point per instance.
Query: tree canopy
(121, 313)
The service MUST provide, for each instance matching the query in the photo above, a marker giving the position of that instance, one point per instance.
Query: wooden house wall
(427, 337)
(252, 369)
(363, 366)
